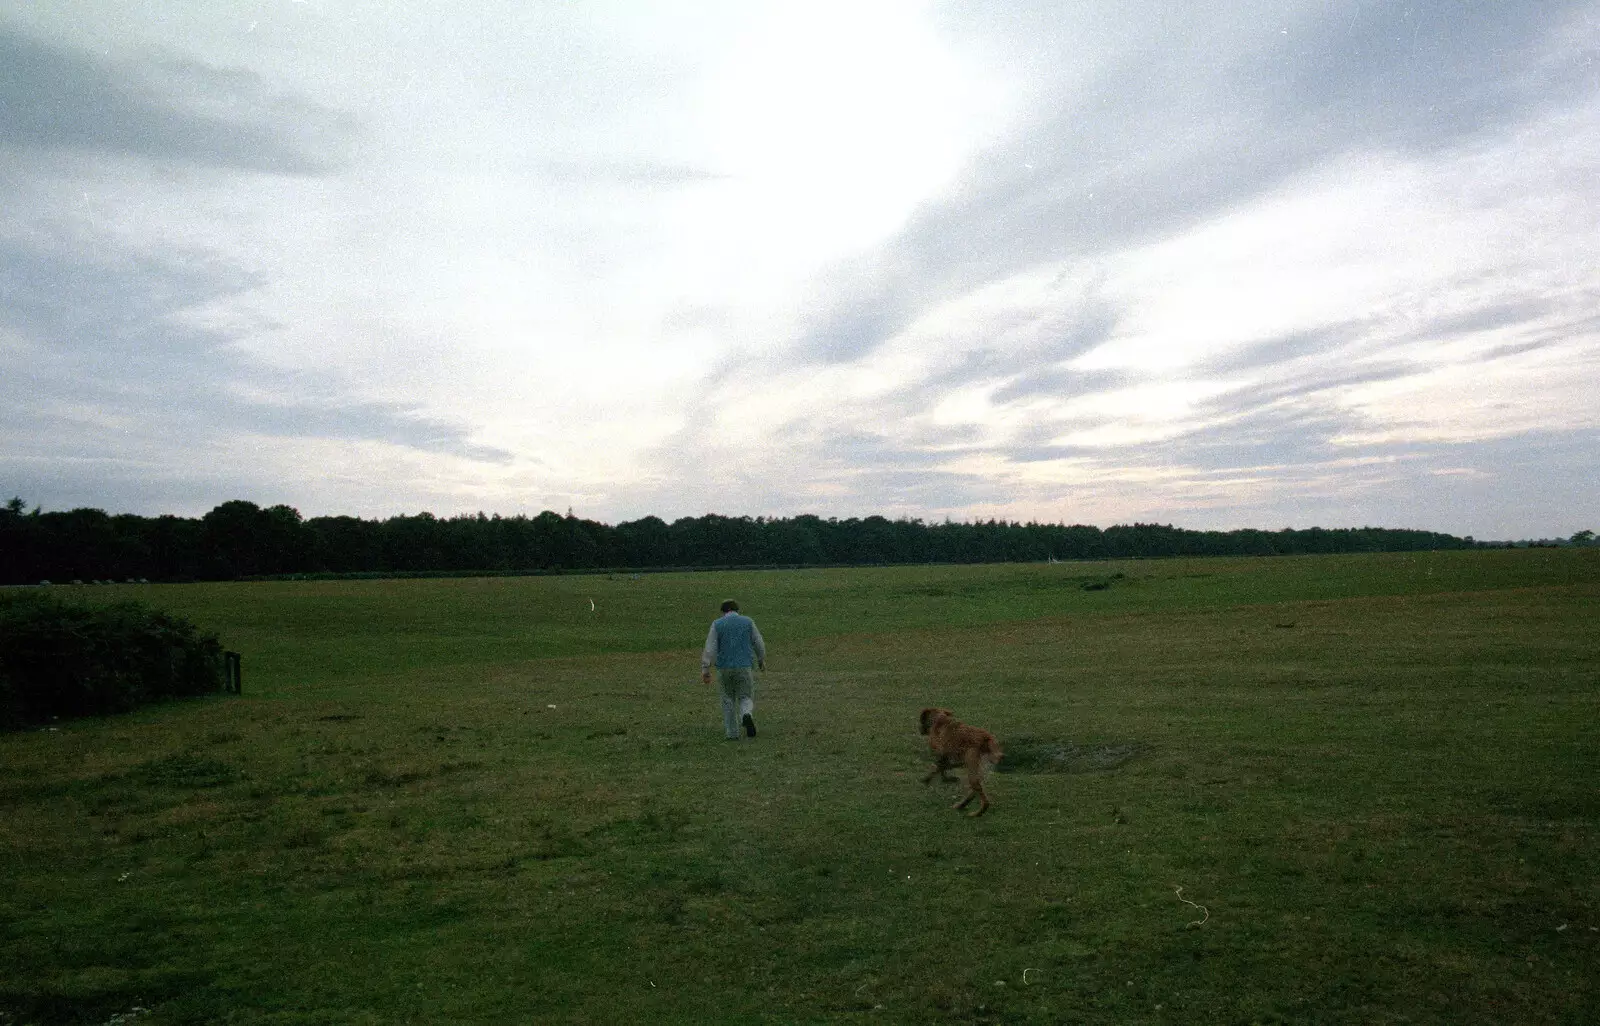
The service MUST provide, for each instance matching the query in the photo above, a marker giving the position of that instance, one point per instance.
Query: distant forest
(240, 539)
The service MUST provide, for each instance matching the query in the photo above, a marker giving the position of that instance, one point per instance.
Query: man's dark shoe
(749, 725)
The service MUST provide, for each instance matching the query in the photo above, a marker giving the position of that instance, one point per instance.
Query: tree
(646, 542)
(242, 540)
(19, 546)
(347, 544)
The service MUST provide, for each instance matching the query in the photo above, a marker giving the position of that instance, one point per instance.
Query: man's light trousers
(738, 686)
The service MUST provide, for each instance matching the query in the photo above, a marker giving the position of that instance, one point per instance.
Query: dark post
(232, 672)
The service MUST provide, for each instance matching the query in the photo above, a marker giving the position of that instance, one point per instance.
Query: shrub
(66, 659)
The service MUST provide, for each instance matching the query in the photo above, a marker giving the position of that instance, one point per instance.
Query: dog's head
(933, 717)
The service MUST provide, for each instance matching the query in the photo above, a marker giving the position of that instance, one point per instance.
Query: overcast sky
(1218, 265)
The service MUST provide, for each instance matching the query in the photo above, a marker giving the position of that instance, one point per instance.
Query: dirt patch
(1044, 755)
(183, 770)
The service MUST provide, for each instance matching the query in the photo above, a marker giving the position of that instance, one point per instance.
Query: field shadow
(973, 589)
(1044, 755)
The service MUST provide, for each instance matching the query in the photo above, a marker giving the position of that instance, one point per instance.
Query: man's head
(730, 606)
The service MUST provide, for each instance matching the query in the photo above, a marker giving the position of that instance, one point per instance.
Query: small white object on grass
(1198, 922)
(591, 605)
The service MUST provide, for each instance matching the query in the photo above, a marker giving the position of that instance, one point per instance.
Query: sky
(1276, 264)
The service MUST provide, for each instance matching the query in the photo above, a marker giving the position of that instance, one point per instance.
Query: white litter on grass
(1025, 973)
(549, 707)
(591, 605)
(1198, 922)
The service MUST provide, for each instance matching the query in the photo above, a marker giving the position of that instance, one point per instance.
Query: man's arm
(708, 655)
(759, 645)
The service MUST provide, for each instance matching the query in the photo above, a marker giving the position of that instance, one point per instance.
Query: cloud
(1199, 114)
(622, 175)
(1491, 489)
(122, 353)
(113, 340)
(1311, 347)
(1259, 261)
(1282, 349)
(178, 111)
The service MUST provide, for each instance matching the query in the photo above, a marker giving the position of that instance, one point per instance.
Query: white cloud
(1548, 390)
(896, 257)
(834, 121)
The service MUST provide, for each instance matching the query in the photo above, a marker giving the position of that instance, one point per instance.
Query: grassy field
(508, 800)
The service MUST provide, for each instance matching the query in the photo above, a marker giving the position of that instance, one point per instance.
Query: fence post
(232, 673)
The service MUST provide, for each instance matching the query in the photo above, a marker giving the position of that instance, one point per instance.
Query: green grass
(480, 801)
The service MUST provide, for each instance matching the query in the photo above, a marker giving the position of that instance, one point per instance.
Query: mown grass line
(321, 633)
(1384, 799)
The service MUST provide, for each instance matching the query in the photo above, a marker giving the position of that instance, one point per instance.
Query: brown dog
(954, 742)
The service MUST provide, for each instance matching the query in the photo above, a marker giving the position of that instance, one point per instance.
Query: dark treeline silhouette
(241, 539)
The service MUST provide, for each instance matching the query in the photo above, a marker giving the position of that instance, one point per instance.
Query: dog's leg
(974, 785)
(939, 767)
(971, 791)
(983, 801)
(974, 791)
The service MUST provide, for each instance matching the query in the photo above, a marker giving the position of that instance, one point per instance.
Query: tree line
(240, 539)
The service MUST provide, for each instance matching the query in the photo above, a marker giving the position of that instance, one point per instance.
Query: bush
(64, 659)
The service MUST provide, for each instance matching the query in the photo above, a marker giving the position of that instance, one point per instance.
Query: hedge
(61, 659)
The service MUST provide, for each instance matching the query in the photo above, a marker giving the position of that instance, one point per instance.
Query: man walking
(734, 646)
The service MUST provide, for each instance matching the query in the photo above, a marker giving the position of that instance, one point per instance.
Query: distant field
(508, 800)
